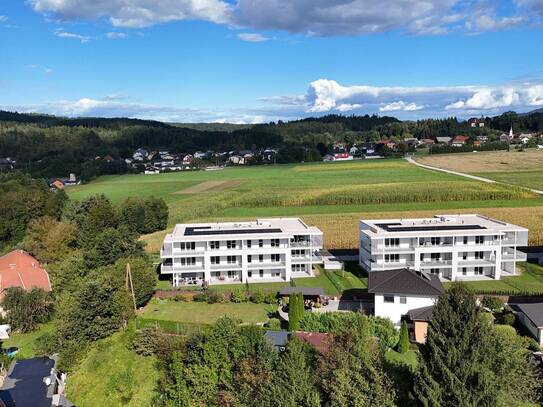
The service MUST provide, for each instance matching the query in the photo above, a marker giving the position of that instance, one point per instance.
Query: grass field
(25, 342)
(113, 375)
(204, 313)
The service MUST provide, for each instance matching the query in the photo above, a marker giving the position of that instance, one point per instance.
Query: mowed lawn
(204, 313)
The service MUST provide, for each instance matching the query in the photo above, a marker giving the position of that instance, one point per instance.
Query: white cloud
(64, 34)
(114, 35)
(252, 37)
(48, 70)
(136, 13)
(3, 18)
(400, 106)
(325, 95)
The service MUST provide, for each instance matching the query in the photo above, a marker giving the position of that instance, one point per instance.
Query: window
(260, 243)
(261, 273)
(388, 299)
(435, 256)
(479, 255)
(479, 239)
(231, 259)
(187, 245)
(215, 274)
(260, 258)
(277, 274)
(275, 257)
(188, 261)
(214, 245)
(274, 242)
(464, 256)
(249, 274)
(231, 273)
(403, 300)
(435, 241)
(434, 271)
(230, 244)
(478, 271)
(392, 242)
(465, 240)
(298, 253)
(215, 260)
(249, 243)
(464, 271)
(392, 258)
(249, 259)
(298, 267)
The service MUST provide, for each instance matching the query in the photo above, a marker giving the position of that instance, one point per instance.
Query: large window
(392, 258)
(479, 255)
(275, 257)
(215, 259)
(249, 243)
(188, 261)
(261, 258)
(249, 258)
(187, 245)
(392, 242)
(479, 239)
(434, 271)
(230, 244)
(435, 256)
(260, 243)
(274, 242)
(214, 245)
(389, 299)
(231, 259)
(435, 241)
(478, 271)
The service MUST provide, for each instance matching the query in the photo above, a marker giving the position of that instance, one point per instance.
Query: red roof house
(20, 269)
(320, 341)
(459, 141)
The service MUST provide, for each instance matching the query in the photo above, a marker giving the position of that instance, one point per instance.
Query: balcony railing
(300, 244)
(180, 269)
(256, 265)
(226, 266)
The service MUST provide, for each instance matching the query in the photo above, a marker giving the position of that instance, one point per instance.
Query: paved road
(462, 174)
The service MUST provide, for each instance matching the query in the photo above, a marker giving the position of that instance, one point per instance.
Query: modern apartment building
(453, 247)
(267, 250)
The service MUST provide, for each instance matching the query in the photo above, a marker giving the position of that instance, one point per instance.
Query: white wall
(394, 311)
(536, 332)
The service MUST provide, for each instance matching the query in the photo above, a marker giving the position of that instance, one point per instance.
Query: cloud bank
(310, 17)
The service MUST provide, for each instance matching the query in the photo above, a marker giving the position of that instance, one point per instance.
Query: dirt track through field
(210, 186)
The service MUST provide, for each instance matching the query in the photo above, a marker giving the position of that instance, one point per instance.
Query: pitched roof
(421, 314)
(277, 338)
(534, 311)
(404, 281)
(20, 269)
(320, 341)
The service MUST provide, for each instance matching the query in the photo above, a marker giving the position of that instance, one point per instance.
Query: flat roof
(441, 223)
(280, 227)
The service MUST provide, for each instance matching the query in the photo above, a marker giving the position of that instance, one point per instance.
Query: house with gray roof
(531, 316)
(401, 291)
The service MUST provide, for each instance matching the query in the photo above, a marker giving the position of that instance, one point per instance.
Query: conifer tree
(295, 311)
(403, 345)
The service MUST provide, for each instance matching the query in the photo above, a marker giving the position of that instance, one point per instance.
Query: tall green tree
(457, 357)
(403, 345)
(295, 311)
(49, 239)
(26, 309)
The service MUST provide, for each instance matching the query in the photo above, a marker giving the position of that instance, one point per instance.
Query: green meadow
(345, 187)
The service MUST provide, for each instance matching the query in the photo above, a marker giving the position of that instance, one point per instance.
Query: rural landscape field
(333, 196)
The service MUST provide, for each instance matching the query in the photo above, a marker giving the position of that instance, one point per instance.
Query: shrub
(213, 298)
(146, 340)
(238, 296)
(274, 324)
(508, 318)
(384, 329)
(533, 345)
(492, 303)
(257, 297)
(181, 298)
(46, 344)
(25, 310)
(270, 298)
(200, 297)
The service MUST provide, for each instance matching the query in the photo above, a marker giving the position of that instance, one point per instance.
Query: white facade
(394, 306)
(454, 247)
(221, 253)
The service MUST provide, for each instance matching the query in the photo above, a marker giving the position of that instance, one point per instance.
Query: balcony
(225, 266)
(257, 265)
(300, 244)
(520, 256)
(436, 263)
(180, 269)
(477, 262)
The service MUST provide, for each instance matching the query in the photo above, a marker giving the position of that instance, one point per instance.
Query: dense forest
(48, 146)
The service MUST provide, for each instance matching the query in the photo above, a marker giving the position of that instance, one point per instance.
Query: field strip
(462, 174)
(210, 186)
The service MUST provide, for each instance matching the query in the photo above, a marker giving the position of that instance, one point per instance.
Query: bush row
(236, 296)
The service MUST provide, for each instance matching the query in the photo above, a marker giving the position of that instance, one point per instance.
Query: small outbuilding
(531, 316)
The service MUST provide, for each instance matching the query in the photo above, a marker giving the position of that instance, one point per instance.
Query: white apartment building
(453, 247)
(267, 250)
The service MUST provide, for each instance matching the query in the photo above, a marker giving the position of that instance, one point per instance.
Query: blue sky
(262, 60)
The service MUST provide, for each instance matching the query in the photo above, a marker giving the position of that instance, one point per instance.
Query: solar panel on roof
(428, 228)
(196, 231)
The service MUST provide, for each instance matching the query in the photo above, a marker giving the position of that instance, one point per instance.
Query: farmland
(514, 167)
(333, 196)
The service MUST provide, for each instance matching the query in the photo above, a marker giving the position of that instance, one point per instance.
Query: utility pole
(129, 282)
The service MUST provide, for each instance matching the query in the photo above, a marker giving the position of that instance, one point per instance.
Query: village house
(531, 316)
(459, 141)
(443, 140)
(20, 269)
(400, 291)
(140, 154)
(476, 122)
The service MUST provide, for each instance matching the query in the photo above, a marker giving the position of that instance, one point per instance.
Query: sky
(252, 61)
